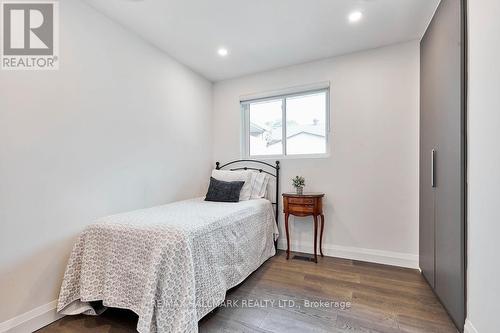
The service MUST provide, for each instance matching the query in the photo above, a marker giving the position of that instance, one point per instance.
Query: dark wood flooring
(357, 297)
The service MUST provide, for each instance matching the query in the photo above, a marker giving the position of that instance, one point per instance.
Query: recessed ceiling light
(355, 16)
(222, 52)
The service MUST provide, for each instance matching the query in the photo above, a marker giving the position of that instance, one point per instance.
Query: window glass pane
(266, 128)
(306, 124)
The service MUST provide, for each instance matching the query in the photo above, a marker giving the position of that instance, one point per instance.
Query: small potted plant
(299, 182)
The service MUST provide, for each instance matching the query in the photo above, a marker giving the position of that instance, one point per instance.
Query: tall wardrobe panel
(442, 159)
(428, 139)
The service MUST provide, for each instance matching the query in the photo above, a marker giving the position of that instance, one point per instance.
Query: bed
(170, 264)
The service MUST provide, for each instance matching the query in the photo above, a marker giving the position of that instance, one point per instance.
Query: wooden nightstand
(307, 204)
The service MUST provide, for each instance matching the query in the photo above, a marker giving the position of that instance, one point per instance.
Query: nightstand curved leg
(287, 237)
(321, 234)
(315, 238)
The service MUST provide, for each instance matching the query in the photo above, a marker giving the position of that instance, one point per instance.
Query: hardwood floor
(357, 297)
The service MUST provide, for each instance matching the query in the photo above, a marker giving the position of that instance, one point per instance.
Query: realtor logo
(30, 35)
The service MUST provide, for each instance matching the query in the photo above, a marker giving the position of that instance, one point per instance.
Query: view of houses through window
(287, 125)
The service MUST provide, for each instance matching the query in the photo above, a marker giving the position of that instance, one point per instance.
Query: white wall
(484, 167)
(371, 177)
(120, 126)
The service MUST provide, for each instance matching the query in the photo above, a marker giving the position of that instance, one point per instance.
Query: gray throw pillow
(222, 191)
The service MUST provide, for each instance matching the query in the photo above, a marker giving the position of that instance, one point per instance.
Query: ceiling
(266, 34)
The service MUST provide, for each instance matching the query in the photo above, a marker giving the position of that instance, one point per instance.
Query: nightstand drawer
(301, 201)
(300, 209)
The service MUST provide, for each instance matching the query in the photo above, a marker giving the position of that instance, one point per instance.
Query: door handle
(433, 168)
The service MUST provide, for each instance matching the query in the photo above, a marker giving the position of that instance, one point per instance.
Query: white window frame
(245, 128)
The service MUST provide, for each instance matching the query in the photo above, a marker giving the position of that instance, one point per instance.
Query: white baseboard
(469, 328)
(355, 253)
(32, 320)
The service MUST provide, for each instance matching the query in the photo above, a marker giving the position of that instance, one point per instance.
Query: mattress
(170, 264)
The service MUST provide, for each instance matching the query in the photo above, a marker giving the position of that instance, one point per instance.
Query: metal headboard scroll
(275, 172)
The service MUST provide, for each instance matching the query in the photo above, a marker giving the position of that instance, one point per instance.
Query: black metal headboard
(275, 172)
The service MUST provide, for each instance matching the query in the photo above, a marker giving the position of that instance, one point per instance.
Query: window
(287, 125)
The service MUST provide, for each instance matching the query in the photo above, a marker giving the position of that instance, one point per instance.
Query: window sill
(288, 157)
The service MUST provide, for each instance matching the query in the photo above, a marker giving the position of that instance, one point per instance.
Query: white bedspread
(169, 264)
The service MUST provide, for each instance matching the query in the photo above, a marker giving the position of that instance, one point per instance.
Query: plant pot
(300, 190)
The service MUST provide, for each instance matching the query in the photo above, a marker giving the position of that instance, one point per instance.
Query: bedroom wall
(120, 126)
(371, 176)
(483, 168)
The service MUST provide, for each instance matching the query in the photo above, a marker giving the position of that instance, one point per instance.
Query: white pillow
(263, 190)
(259, 185)
(252, 183)
(233, 176)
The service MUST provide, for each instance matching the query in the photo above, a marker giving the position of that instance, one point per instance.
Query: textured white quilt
(169, 264)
